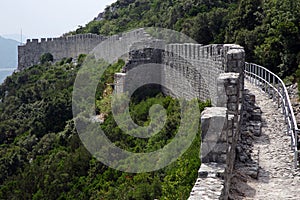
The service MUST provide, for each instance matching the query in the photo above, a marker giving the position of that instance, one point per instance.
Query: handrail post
(254, 77)
(282, 102)
(296, 159)
(256, 71)
(296, 148)
(265, 81)
(254, 80)
(269, 80)
(273, 93)
(252, 71)
(278, 99)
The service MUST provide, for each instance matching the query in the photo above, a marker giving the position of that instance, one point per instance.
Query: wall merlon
(235, 54)
(119, 82)
(228, 90)
(213, 128)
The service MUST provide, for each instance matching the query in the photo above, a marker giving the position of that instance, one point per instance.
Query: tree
(46, 57)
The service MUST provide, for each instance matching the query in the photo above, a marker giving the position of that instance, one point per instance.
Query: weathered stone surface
(213, 129)
(196, 64)
(262, 152)
(119, 80)
(211, 170)
(228, 87)
(210, 184)
(207, 189)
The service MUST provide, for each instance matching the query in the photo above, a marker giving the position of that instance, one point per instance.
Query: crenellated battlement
(63, 47)
(67, 38)
(70, 46)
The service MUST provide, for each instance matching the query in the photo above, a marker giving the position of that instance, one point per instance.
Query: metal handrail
(276, 89)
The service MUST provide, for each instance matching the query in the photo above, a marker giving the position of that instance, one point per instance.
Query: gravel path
(277, 178)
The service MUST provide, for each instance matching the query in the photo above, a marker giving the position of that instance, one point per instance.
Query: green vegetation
(42, 157)
(46, 57)
(269, 30)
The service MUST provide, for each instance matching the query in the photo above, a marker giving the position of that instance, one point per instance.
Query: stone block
(232, 107)
(233, 99)
(240, 64)
(213, 148)
(211, 170)
(256, 115)
(213, 122)
(232, 90)
(119, 82)
(236, 54)
(222, 83)
(231, 65)
(220, 148)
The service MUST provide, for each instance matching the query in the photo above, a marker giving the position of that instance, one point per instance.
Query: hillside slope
(269, 30)
(41, 155)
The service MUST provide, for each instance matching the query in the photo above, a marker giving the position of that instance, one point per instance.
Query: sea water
(4, 72)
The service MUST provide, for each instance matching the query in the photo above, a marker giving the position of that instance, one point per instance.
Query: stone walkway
(277, 178)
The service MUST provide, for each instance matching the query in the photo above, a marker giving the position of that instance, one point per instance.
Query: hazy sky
(47, 18)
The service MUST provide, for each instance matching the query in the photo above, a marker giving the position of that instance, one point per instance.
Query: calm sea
(4, 72)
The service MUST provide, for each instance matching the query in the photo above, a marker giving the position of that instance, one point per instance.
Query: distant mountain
(8, 53)
(16, 37)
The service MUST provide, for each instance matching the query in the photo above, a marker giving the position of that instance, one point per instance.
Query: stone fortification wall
(122, 45)
(213, 72)
(72, 46)
(200, 64)
(192, 71)
(221, 130)
(63, 47)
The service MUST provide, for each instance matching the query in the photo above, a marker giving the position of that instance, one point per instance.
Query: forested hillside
(41, 155)
(268, 29)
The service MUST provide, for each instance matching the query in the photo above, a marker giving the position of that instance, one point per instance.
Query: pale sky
(47, 18)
